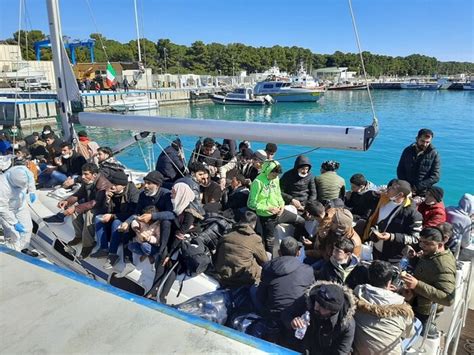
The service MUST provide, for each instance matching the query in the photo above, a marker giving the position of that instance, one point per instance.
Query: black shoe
(85, 252)
(100, 254)
(75, 241)
(111, 261)
(57, 218)
(30, 253)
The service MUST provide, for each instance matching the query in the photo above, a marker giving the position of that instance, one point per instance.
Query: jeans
(106, 231)
(143, 248)
(51, 179)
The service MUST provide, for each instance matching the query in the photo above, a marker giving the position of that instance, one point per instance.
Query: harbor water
(401, 113)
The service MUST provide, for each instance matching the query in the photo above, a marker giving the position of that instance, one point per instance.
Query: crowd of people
(373, 261)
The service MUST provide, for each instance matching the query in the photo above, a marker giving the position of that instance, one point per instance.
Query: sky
(439, 28)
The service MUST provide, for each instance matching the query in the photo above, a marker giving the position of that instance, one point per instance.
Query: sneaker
(57, 218)
(111, 261)
(85, 252)
(100, 254)
(75, 241)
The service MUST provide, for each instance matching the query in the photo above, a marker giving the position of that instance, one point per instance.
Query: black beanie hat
(154, 177)
(329, 296)
(436, 192)
(118, 178)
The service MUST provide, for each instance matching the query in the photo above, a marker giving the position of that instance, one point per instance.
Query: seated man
(382, 318)
(284, 279)
(361, 199)
(461, 217)
(69, 164)
(240, 254)
(91, 199)
(343, 266)
(331, 327)
(171, 163)
(434, 276)
(198, 178)
(432, 208)
(207, 154)
(297, 185)
(235, 196)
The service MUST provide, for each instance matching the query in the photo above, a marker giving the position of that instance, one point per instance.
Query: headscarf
(183, 197)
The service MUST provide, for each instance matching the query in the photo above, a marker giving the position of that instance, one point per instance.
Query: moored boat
(242, 96)
(134, 103)
(282, 91)
(415, 84)
(347, 86)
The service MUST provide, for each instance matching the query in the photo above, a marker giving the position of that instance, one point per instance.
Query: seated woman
(147, 236)
(329, 185)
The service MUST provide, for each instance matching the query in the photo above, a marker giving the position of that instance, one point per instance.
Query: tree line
(219, 59)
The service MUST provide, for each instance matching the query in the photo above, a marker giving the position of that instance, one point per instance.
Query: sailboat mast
(138, 32)
(59, 66)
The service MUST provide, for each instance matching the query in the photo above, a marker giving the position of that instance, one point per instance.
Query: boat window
(278, 85)
(268, 86)
(239, 91)
(286, 85)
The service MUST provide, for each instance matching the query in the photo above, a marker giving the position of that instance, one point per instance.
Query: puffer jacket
(284, 279)
(296, 187)
(460, 217)
(351, 275)
(383, 319)
(421, 170)
(436, 276)
(265, 193)
(433, 215)
(239, 257)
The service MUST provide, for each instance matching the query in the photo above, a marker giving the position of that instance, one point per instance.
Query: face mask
(46, 132)
(66, 156)
(302, 175)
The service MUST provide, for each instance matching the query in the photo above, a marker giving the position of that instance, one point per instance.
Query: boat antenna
(356, 33)
(138, 31)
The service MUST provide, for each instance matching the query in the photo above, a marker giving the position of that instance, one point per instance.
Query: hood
(466, 203)
(381, 303)
(301, 160)
(244, 229)
(283, 265)
(348, 310)
(268, 166)
(19, 177)
(342, 221)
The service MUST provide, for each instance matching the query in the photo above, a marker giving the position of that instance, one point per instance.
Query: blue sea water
(450, 114)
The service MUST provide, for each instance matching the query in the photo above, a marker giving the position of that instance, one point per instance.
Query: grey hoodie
(460, 217)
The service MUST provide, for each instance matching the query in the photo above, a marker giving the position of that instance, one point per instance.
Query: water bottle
(404, 264)
(300, 332)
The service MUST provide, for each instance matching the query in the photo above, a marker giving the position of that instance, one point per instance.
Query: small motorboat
(415, 84)
(347, 86)
(134, 103)
(242, 96)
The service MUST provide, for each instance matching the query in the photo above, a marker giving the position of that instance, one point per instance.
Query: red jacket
(433, 215)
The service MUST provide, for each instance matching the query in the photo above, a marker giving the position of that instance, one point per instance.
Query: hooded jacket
(265, 193)
(383, 319)
(296, 187)
(170, 164)
(332, 336)
(239, 257)
(460, 217)
(421, 170)
(284, 279)
(433, 215)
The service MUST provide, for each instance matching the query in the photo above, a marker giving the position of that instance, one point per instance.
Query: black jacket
(196, 203)
(170, 165)
(283, 280)
(295, 187)
(361, 205)
(332, 336)
(351, 275)
(421, 171)
(73, 165)
(162, 201)
(124, 205)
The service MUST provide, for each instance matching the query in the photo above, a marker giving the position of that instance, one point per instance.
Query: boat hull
(348, 87)
(420, 86)
(138, 106)
(296, 97)
(222, 100)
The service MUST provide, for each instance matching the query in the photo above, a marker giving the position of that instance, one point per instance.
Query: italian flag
(110, 78)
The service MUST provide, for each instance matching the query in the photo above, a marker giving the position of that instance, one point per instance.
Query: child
(147, 237)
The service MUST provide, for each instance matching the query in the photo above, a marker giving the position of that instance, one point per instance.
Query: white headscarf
(183, 197)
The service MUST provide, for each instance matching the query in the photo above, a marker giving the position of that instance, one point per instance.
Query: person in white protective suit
(17, 185)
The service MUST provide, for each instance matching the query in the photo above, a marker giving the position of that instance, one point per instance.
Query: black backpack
(195, 256)
(213, 228)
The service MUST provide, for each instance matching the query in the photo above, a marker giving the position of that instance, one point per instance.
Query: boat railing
(420, 349)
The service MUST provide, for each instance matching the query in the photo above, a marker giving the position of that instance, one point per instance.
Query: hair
(208, 142)
(277, 169)
(425, 132)
(432, 234)
(240, 178)
(244, 144)
(447, 229)
(197, 166)
(380, 273)
(330, 165)
(400, 186)
(249, 218)
(90, 167)
(345, 244)
(358, 180)
(66, 144)
(314, 208)
(271, 148)
(106, 150)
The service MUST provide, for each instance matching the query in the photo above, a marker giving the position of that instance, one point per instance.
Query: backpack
(213, 228)
(195, 257)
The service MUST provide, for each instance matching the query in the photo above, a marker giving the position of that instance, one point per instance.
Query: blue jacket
(170, 164)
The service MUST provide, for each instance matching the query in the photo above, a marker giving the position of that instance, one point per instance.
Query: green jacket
(436, 276)
(264, 193)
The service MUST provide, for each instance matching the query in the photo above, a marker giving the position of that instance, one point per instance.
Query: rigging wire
(97, 29)
(356, 32)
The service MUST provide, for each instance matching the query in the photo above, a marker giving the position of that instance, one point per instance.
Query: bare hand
(68, 182)
(69, 211)
(307, 242)
(298, 323)
(62, 204)
(409, 281)
(58, 161)
(165, 261)
(123, 227)
(146, 218)
(106, 218)
(297, 204)
(383, 236)
(223, 183)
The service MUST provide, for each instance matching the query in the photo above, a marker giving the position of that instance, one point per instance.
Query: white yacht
(303, 80)
(282, 91)
(134, 103)
(242, 96)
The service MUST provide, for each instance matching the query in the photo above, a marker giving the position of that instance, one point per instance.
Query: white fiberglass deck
(46, 310)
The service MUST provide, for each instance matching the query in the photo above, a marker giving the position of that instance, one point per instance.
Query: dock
(48, 310)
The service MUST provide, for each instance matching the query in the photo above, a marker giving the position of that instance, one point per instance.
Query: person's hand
(69, 211)
(165, 261)
(274, 210)
(393, 288)
(20, 228)
(106, 218)
(383, 236)
(222, 183)
(179, 236)
(307, 242)
(32, 197)
(58, 161)
(409, 252)
(62, 204)
(298, 323)
(409, 281)
(123, 227)
(68, 182)
(146, 218)
(212, 170)
(297, 204)
(407, 294)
